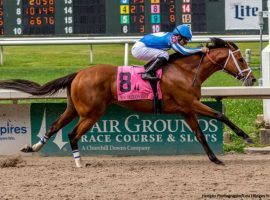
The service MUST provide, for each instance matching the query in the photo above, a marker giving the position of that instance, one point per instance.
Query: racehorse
(90, 91)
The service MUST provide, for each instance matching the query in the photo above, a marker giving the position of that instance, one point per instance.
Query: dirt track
(177, 177)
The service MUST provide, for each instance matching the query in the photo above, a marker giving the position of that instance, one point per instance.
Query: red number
(32, 21)
(44, 2)
(51, 10)
(38, 21)
(137, 1)
(142, 8)
(172, 10)
(134, 18)
(133, 9)
(141, 20)
(31, 2)
(172, 18)
(32, 11)
(186, 8)
(142, 29)
(45, 10)
(51, 20)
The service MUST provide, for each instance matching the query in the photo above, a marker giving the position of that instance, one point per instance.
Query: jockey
(153, 47)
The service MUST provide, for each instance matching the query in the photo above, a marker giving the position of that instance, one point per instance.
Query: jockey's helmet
(184, 31)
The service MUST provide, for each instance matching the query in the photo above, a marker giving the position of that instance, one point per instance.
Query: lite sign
(242, 14)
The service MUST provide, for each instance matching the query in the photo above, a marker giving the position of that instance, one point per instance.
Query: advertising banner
(15, 128)
(242, 14)
(124, 132)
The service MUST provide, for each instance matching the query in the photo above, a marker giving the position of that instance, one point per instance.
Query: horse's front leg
(202, 109)
(192, 121)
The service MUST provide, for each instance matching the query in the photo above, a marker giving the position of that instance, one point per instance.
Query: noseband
(240, 71)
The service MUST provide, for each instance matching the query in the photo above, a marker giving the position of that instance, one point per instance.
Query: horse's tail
(34, 88)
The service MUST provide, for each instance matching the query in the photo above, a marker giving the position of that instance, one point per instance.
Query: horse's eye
(241, 60)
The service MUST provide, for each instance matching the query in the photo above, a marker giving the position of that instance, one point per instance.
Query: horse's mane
(214, 43)
(219, 43)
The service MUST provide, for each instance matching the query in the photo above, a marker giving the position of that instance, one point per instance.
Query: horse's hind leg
(80, 129)
(202, 109)
(192, 121)
(69, 114)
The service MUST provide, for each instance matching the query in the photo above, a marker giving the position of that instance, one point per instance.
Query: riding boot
(151, 69)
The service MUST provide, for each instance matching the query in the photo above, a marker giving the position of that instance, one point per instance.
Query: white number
(125, 29)
(125, 20)
(155, 28)
(68, 1)
(68, 10)
(68, 20)
(18, 2)
(19, 21)
(18, 11)
(17, 31)
(68, 30)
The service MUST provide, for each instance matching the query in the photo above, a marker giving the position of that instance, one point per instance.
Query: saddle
(130, 86)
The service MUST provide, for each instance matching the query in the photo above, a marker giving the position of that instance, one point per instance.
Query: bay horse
(90, 91)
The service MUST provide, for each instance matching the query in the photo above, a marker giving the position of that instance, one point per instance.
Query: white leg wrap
(77, 157)
(36, 147)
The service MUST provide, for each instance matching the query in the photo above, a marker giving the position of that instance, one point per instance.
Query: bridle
(240, 75)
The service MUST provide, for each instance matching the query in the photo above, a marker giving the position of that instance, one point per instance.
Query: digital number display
(50, 17)
(132, 14)
(193, 14)
(168, 17)
(163, 15)
(38, 16)
(98, 17)
(186, 12)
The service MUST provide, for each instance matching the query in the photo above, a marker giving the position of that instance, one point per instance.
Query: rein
(195, 76)
(223, 67)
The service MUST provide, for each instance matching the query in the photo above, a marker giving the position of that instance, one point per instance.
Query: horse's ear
(210, 45)
(231, 46)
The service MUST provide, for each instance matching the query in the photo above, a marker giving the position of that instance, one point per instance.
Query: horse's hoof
(78, 163)
(27, 149)
(249, 141)
(218, 162)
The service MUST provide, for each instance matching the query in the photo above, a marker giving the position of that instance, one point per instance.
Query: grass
(44, 63)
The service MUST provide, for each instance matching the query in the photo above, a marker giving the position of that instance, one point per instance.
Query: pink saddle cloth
(130, 85)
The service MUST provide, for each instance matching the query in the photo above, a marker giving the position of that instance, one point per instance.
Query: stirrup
(147, 76)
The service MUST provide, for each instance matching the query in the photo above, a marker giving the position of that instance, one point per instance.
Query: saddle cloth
(130, 85)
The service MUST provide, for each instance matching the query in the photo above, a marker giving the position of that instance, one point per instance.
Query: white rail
(207, 92)
(107, 40)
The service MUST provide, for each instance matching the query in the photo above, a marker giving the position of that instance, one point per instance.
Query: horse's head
(230, 60)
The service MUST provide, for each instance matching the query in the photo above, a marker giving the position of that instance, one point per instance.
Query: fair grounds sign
(118, 132)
